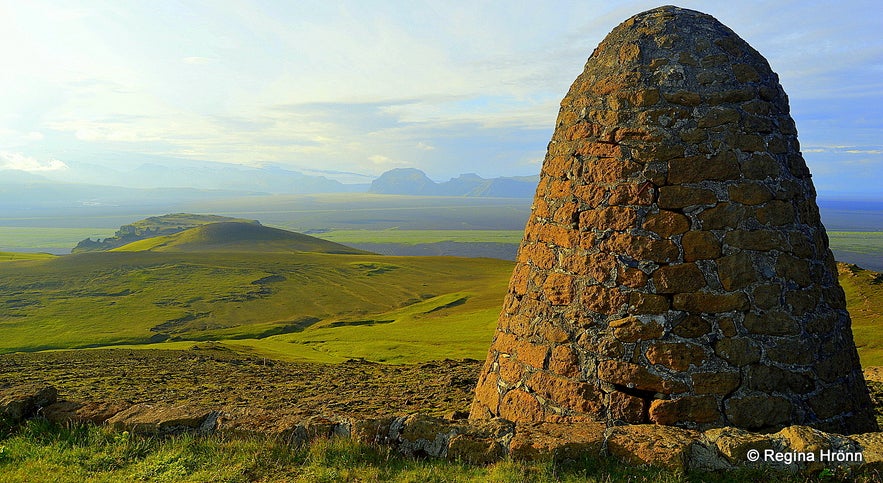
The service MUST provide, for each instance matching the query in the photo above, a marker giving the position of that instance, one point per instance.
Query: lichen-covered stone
(679, 278)
(710, 303)
(661, 446)
(687, 410)
(692, 326)
(645, 303)
(700, 245)
(674, 267)
(720, 383)
(573, 396)
(551, 441)
(67, 412)
(518, 406)
(677, 356)
(151, 419)
(667, 223)
(634, 376)
(759, 412)
(632, 329)
(738, 351)
(628, 408)
(735, 443)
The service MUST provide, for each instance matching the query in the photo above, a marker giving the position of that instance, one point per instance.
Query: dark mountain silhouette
(411, 181)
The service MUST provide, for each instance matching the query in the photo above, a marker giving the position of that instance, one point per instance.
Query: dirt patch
(225, 379)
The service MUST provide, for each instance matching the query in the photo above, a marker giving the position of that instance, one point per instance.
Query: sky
(354, 88)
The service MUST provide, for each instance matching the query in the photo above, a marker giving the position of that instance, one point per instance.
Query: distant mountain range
(411, 181)
(161, 184)
(164, 173)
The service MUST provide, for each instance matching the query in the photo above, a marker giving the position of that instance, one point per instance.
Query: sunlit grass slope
(251, 288)
(15, 256)
(236, 237)
(864, 300)
(318, 306)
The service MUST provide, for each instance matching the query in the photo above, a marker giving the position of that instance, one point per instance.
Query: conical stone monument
(674, 269)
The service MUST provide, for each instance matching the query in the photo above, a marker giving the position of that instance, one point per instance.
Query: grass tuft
(42, 452)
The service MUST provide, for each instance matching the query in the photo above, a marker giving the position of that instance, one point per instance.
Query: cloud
(862, 150)
(379, 159)
(198, 60)
(10, 138)
(448, 90)
(21, 162)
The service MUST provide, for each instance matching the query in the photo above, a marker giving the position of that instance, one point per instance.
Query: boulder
(18, 403)
(162, 420)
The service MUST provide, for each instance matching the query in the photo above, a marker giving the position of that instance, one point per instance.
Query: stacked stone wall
(674, 269)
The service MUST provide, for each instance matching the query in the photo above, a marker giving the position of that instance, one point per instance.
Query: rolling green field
(42, 238)
(868, 242)
(295, 306)
(12, 256)
(303, 306)
(269, 293)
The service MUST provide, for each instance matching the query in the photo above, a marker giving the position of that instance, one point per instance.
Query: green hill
(864, 300)
(16, 256)
(153, 226)
(284, 295)
(236, 237)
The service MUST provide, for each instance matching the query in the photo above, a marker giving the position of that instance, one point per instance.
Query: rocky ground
(211, 389)
(212, 377)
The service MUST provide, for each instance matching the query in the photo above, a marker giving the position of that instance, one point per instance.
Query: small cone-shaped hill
(674, 269)
(237, 236)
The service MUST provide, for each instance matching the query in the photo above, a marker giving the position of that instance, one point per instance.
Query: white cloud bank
(21, 162)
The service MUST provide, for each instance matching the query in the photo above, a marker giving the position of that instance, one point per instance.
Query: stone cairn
(674, 269)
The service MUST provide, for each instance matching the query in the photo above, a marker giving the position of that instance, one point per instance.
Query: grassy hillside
(304, 306)
(260, 290)
(864, 300)
(314, 306)
(45, 452)
(154, 226)
(15, 256)
(235, 237)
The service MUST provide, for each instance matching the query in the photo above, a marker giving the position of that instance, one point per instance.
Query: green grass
(864, 301)
(294, 306)
(236, 237)
(38, 238)
(17, 256)
(43, 452)
(302, 306)
(867, 242)
(443, 327)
